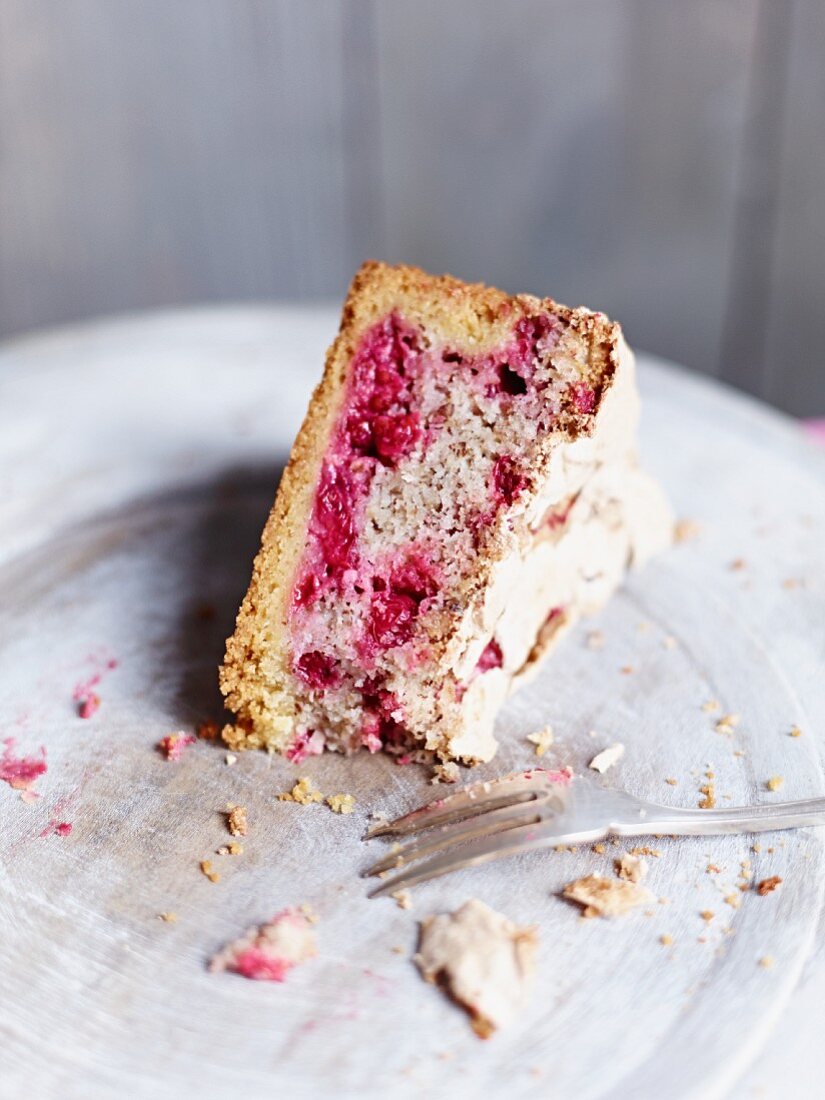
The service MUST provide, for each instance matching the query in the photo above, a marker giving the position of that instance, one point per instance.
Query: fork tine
(469, 801)
(498, 844)
(494, 821)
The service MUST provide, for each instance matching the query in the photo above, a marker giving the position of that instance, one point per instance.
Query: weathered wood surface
(137, 462)
(661, 159)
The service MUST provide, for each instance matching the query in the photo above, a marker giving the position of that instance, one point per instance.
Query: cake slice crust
(466, 456)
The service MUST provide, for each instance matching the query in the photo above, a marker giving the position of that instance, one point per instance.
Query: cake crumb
(169, 917)
(403, 899)
(665, 940)
(737, 565)
(708, 802)
(733, 900)
(669, 642)
(595, 640)
(599, 848)
(446, 773)
(775, 782)
(631, 868)
(604, 897)
(341, 803)
(607, 758)
(685, 530)
(206, 869)
(671, 782)
(303, 792)
(795, 731)
(768, 885)
(626, 670)
(710, 706)
(542, 740)
(233, 849)
(236, 820)
(766, 962)
(707, 915)
(269, 951)
(728, 723)
(645, 850)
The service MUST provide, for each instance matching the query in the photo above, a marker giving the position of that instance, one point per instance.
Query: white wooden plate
(138, 459)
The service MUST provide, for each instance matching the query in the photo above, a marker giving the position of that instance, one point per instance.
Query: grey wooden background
(661, 159)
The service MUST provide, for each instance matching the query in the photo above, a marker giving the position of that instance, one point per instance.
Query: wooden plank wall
(661, 159)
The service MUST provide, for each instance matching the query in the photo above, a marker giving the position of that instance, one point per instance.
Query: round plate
(139, 459)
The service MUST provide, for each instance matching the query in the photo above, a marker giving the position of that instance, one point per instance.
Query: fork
(538, 809)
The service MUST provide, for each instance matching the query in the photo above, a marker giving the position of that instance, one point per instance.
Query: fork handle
(675, 821)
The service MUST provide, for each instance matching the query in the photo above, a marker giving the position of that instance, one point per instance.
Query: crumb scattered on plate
(303, 792)
(684, 530)
(403, 899)
(21, 772)
(236, 820)
(543, 739)
(482, 960)
(169, 917)
(269, 951)
(768, 885)
(766, 962)
(775, 782)
(341, 803)
(728, 723)
(606, 897)
(230, 759)
(607, 758)
(631, 868)
(795, 731)
(446, 773)
(710, 706)
(207, 869)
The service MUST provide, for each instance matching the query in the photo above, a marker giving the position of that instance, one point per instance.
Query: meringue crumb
(775, 782)
(766, 962)
(168, 918)
(684, 530)
(631, 868)
(542, 740)
(768, 885)
(341, 803)
(230, 759)
(604, 897)
(236, 820)
(595, 640)
(607, 758)
(403, 899)
(206, 869)
(303, 792)
(446, 773)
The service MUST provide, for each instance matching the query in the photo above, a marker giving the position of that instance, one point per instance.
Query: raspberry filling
(389, 417)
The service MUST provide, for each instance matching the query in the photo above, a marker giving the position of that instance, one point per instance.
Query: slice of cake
(463, 488)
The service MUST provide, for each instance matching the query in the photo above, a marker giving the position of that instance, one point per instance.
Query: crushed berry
(257, 964)
(508, 481)
(535, 336)
(89, 705)
(21, 772)
(392, 620)
(583, 397)
(174, 744)
(492, 657)
(318, 670)
(58, 828)
(395, 436)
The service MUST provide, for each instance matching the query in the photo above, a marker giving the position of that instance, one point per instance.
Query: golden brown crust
(255, 675)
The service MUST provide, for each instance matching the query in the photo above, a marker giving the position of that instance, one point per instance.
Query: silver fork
(540, 809)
